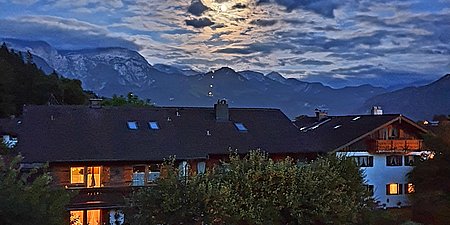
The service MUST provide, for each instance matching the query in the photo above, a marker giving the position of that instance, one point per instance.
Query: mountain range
(108, 71)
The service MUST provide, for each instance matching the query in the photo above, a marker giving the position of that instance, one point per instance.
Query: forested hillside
(22, 82)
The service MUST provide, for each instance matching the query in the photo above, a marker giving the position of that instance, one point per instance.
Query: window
(409, 188)
(241, 127)
(393, 133)
(363, 161)
(85, 217)
(201, 167)
(132, 125)
(370, 189)
(394, 160)
(154, 172)
(77, 175)
(410, 160)
(138, 176)
(184, 169)
(76, 217)
(153, 125)
(93, 176)
(394, 189)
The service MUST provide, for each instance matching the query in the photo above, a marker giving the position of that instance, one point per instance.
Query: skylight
(356, 118)
(132, 125)
(153, 125)
(337, 126)
(241, 127)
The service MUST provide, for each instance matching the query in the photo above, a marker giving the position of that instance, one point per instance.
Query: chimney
(376, 110)
(221, 110)
(95, 103)
(321, 114)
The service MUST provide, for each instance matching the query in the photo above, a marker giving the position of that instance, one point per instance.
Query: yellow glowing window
(76, 217)
(93, 217)
(394, 189)
(93, 176)
(410, 188)
(77, 175)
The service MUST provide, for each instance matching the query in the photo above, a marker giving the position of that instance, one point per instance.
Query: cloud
(66, 33)
(197, 8)
(323, 7)
(199, 23)
(264, 23)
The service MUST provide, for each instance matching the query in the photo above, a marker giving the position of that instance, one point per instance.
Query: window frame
(389, 160)
(407, 162)
(368, 158)
(399, 189)
(86, 177)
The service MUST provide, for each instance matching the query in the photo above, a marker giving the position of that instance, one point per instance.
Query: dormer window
(132, 125)
(241, 127)
(153, 125)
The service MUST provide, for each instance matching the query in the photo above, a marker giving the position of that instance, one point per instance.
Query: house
(104, 152)
(385, 146)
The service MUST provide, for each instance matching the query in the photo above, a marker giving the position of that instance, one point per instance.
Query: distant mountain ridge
(109, 71)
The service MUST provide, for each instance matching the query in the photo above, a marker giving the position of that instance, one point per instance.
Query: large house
(106, 151)
(103, 152)
(386, 147)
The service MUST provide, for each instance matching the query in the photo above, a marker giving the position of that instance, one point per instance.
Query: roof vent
(95, 103)
(208, 133)
(178, 113)
(221, 110)
(321, 114)
(376, 110)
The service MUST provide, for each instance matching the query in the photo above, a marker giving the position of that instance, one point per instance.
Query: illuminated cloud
(350, 42)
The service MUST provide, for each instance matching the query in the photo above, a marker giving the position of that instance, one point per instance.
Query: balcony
(395, 146)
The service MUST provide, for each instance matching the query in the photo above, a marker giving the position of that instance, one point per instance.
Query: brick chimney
(321, 114)
(221, 110)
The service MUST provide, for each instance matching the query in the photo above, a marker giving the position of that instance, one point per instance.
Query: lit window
(409, 188)
(154, 172)
(76, 217)
(241, 127)
(153, 125)
(93, 176)
(201, 167)
(132, 125)
(410, 160)
(363, 161)
(93, 217)
(138, 176)
(394, 160)
(394, 189)
(77, 175)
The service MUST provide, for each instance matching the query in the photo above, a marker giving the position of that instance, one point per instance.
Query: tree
(255, 189)
(431, 201)
(27, 197)
(130, 100)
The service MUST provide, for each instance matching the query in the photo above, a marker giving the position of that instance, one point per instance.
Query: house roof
(80, 133)
(336, 132)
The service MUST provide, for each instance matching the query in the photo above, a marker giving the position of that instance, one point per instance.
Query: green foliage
(257, 190)
(27, 197)
(23, 83)
(431, 202)
(130, 100)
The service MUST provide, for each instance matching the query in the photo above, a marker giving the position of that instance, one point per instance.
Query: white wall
(380, 175)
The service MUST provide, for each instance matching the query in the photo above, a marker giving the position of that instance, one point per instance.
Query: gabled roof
(336, 132)
(80, 133)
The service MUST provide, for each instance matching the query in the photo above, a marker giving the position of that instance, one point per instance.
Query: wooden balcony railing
(395, 146)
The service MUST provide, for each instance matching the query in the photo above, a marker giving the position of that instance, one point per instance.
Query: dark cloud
(199, 23)
(322, 7)
(315, 62)
(197, 8)
(239, 6)
(264, 23)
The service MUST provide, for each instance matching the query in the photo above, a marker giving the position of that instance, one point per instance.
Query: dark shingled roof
(337, 131)
(80, 133)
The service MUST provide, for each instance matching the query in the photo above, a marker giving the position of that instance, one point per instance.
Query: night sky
(364, 40)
